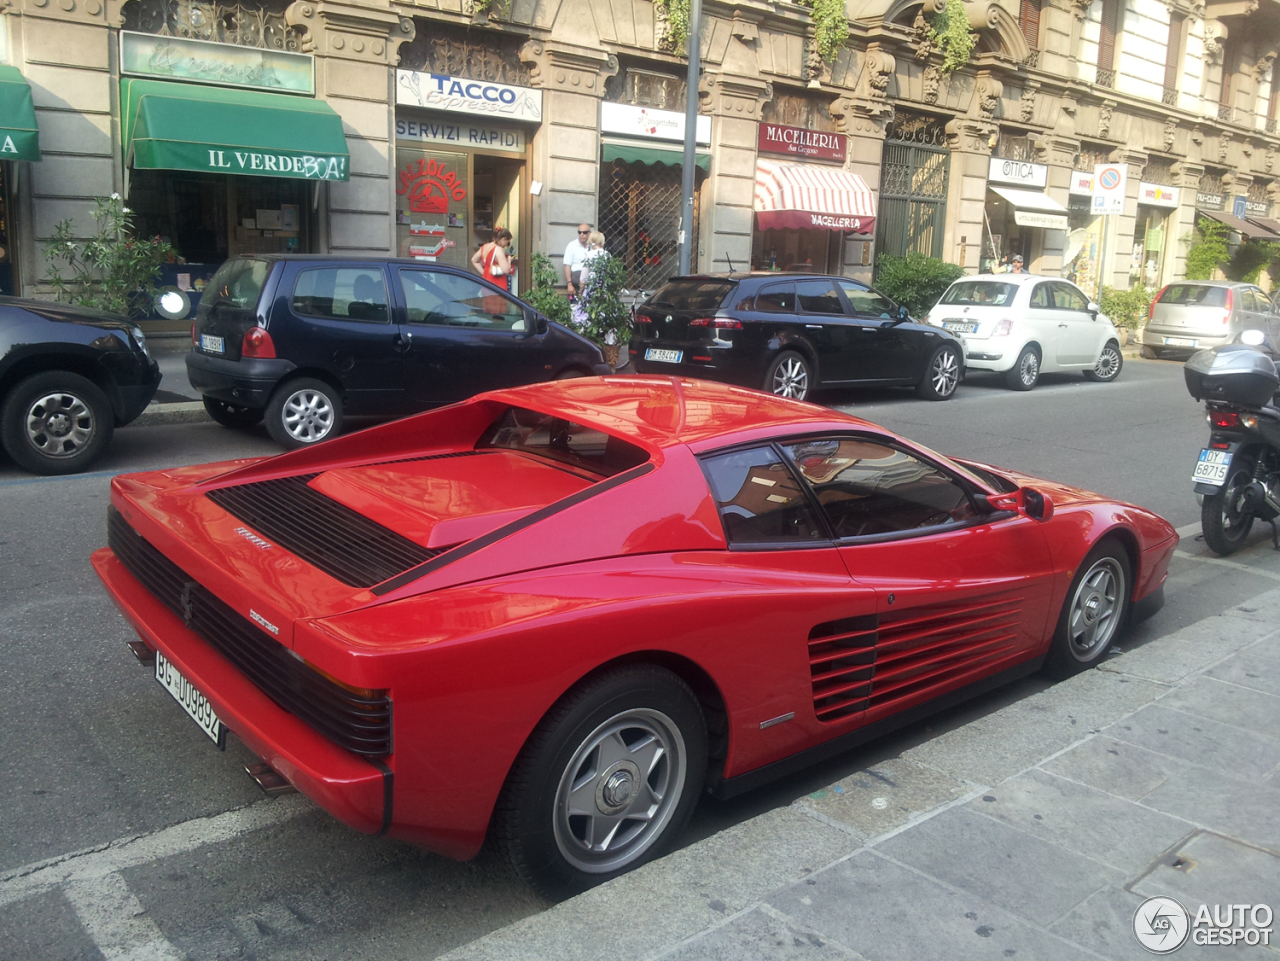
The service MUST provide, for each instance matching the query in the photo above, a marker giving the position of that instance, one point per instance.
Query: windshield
(986, 293)
(238, 283)
(563, 440)
(693, 294)
(1196, 295)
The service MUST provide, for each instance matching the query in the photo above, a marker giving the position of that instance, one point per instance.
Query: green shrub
(542, 295)
(915, 281)
(1208, 250)
(602, 300)
(1249, 259)
(949, 30)
(1126, 308)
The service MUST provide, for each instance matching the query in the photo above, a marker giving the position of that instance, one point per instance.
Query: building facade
(417, 129)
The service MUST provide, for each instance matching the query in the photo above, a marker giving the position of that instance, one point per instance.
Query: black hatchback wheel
(941, 375)
(56, 422)
(790, 375)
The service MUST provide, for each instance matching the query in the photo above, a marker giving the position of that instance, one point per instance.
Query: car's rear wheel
(1109, 363)
(942, 375)
(302, 412)
(1024, 374)
(790, 375)
(232, 415)
(56, 422)
(606, 781)
(1094, 612)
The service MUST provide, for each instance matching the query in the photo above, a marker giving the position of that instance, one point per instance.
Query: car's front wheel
(56, 422)
(942, 375)
(1095, 610)
(1024, 374)
(1109, 363)
(790, 375)
(232, 415)
(303, 412)
(606, 781)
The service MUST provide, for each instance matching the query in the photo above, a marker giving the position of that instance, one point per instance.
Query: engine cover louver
(842, 657)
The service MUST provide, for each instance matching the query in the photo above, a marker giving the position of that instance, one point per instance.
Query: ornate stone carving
(260, 24)
(724, 95)
(1262, 66)
(932, 79)
(1067, 111)
(662, 28)
(877, 68)
(1214, 32)
(479, 56)
(921, 37)
(1270, 160)
(1104, 119)
(968, 134)
(986, 96)
(1027, 102)
(555, 65)
(1081, 8)
(813, 63)
(1224, 144)
(1170, 134)
(857, 115)
(350, 31)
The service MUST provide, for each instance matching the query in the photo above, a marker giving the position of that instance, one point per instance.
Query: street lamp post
(690, 140)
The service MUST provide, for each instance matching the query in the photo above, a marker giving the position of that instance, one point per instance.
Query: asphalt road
(94, 755)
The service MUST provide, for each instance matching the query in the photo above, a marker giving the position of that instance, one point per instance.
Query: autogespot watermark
(1162, 925)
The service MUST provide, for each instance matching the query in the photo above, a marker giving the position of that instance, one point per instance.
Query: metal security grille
(640, 217)
(913, 191)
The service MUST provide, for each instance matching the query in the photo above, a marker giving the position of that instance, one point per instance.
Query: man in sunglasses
(574, 256)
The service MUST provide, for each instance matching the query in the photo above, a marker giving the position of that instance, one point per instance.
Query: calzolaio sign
(799, 142)
(438, 91)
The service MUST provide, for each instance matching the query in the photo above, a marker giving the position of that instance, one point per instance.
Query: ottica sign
(437, 91)
(1019, 172)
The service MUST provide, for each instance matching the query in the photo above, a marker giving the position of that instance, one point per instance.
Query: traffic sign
(1110, 185)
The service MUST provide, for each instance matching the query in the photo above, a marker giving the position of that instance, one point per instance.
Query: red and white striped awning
(809, 195)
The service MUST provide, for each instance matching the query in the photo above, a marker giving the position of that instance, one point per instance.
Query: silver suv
(1193, 314)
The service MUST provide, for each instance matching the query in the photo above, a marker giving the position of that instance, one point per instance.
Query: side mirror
(903, 316)
(1025, 501)
(1093, 310)
(534, 322)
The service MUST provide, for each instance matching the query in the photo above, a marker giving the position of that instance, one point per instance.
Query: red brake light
(1003, 329)
(257, 343)
(643, 319)
(1151, 311)
(194, 341)
(1224, 418)
(716, 323)
(1226, 311)
(729, 324)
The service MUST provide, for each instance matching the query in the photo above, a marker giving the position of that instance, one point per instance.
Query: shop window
(432, 217)
(640, 208)
(245, 24)
(341, 293)
(1158, 171)
(1015, 146)
(818, 297)
(446, 299)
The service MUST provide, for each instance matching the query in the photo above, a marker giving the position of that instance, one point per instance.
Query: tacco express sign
(438, 91)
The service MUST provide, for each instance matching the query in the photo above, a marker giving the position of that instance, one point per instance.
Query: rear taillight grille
(339, 541)
(357, 722)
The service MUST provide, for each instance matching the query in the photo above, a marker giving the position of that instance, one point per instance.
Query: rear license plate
(192, 701)
(1180, 342)
(960, 326)
(214, 345)
(665, 356)
(1212, 467)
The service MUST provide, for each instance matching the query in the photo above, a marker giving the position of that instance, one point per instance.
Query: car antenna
(729, 261)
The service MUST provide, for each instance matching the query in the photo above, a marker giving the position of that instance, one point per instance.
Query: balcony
(1106, 78)
(1226, 112)
(1271, 125)
(1170, 97)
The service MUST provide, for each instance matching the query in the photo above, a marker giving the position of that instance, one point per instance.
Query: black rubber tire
(928, 388)
(1015, 378)
(1065, 658)
(1222, 538)
(232, 415)
(1110, 351)
(523, 820)
(78, 393)
(790, 360)
(307, 392)
(1150, 353)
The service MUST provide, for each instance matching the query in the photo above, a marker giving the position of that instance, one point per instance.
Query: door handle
(814, 326)
(1062, 326)
(403, 342)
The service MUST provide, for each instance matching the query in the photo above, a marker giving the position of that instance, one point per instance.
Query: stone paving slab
(1252, 669)
(886, 796)
(763, 935)
(1227, 748)
(1250, 811)
(1124, 770)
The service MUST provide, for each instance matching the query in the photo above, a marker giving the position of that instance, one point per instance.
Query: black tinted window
(237, 283)
(1199, 295)
(759, 499)
(562, 440)
(439, 297)
(777, 299)
(342, 293)
(866, 302)
(867, 487)
(693, 294)
(818, 297)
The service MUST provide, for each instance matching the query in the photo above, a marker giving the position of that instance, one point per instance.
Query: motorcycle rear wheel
(1225, 526)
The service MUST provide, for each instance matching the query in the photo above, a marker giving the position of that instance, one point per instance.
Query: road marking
(115, 920)
(115, 856)
(1232, 564)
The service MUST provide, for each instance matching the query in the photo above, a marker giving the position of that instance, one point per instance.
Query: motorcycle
(1238, 474)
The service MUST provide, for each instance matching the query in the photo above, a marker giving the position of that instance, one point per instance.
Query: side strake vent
(331, 536)
(842, 657)
(359, 721)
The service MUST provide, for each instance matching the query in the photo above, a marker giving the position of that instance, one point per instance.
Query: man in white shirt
(574, 255)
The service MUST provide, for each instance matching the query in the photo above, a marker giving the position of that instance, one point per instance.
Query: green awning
(188, 126)
(19, 137)
(648, 154)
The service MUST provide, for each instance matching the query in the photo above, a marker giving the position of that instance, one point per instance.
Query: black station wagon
(791, 334)
(304, 340)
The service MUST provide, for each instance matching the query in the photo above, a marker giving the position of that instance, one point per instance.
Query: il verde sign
(159, 154)
(177, 58)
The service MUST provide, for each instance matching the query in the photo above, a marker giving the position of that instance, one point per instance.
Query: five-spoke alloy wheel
(1096, 608)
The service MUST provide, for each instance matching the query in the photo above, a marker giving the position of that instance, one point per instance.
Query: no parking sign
(1110, 184)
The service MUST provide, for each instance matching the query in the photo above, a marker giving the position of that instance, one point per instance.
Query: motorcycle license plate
(1212, 467)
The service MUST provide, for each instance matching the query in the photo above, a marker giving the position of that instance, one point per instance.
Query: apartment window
(1173, 59)
(1273, 100)
(1230, 64)
(1030, 20)
(1107, 42)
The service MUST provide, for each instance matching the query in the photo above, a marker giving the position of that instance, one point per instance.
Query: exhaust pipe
(142, 652)
(272, 782)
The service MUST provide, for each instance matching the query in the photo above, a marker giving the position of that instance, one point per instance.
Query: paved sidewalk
(1034, 832)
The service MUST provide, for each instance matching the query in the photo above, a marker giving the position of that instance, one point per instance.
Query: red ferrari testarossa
(559, 613)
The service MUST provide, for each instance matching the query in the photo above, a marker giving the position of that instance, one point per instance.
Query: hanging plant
(830, 26)
(677, 13)
(949, 30)
(1208, 250)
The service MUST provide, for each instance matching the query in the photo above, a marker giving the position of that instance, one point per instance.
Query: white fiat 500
(1023, 324)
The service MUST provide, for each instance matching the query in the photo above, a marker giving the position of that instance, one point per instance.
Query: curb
(157, 415)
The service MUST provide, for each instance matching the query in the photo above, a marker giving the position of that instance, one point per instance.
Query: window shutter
(1031, 23)
(1230, 60)
(1173, 51)
(1110, 28)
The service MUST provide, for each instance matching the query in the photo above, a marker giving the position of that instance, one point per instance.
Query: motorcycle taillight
(1224, 418)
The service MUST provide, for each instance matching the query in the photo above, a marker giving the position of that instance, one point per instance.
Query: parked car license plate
(960, 326)
(1212, 467)
(215, 345)
(665, 356)
(193, 702)
(1180, 342)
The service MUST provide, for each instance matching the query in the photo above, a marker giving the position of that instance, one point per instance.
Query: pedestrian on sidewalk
(595, 250)
(574, 255)
(492, 261)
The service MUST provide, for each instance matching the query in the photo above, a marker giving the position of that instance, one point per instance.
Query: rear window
(237, 283)
(989, 293)
(693, 294)
(562, 440)
(1194, 295)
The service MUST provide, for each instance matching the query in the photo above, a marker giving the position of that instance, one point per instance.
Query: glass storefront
(1084, 245)
(1150, 239)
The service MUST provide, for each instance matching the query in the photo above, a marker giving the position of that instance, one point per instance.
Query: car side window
(777, 299)
(866, 302)
(869, 487)
(818, 297)
(341, 293)
(1040, 296)
(1066, 297)
(759, 499)
(1251, 301)
(446, 299)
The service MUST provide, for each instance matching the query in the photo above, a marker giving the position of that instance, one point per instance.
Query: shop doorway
(497, 204)
(1149, 234)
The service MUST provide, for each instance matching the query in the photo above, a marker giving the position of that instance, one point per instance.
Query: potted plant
(1126, 308)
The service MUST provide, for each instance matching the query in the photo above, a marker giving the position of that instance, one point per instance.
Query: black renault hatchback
(791, 334)
(304, 340)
